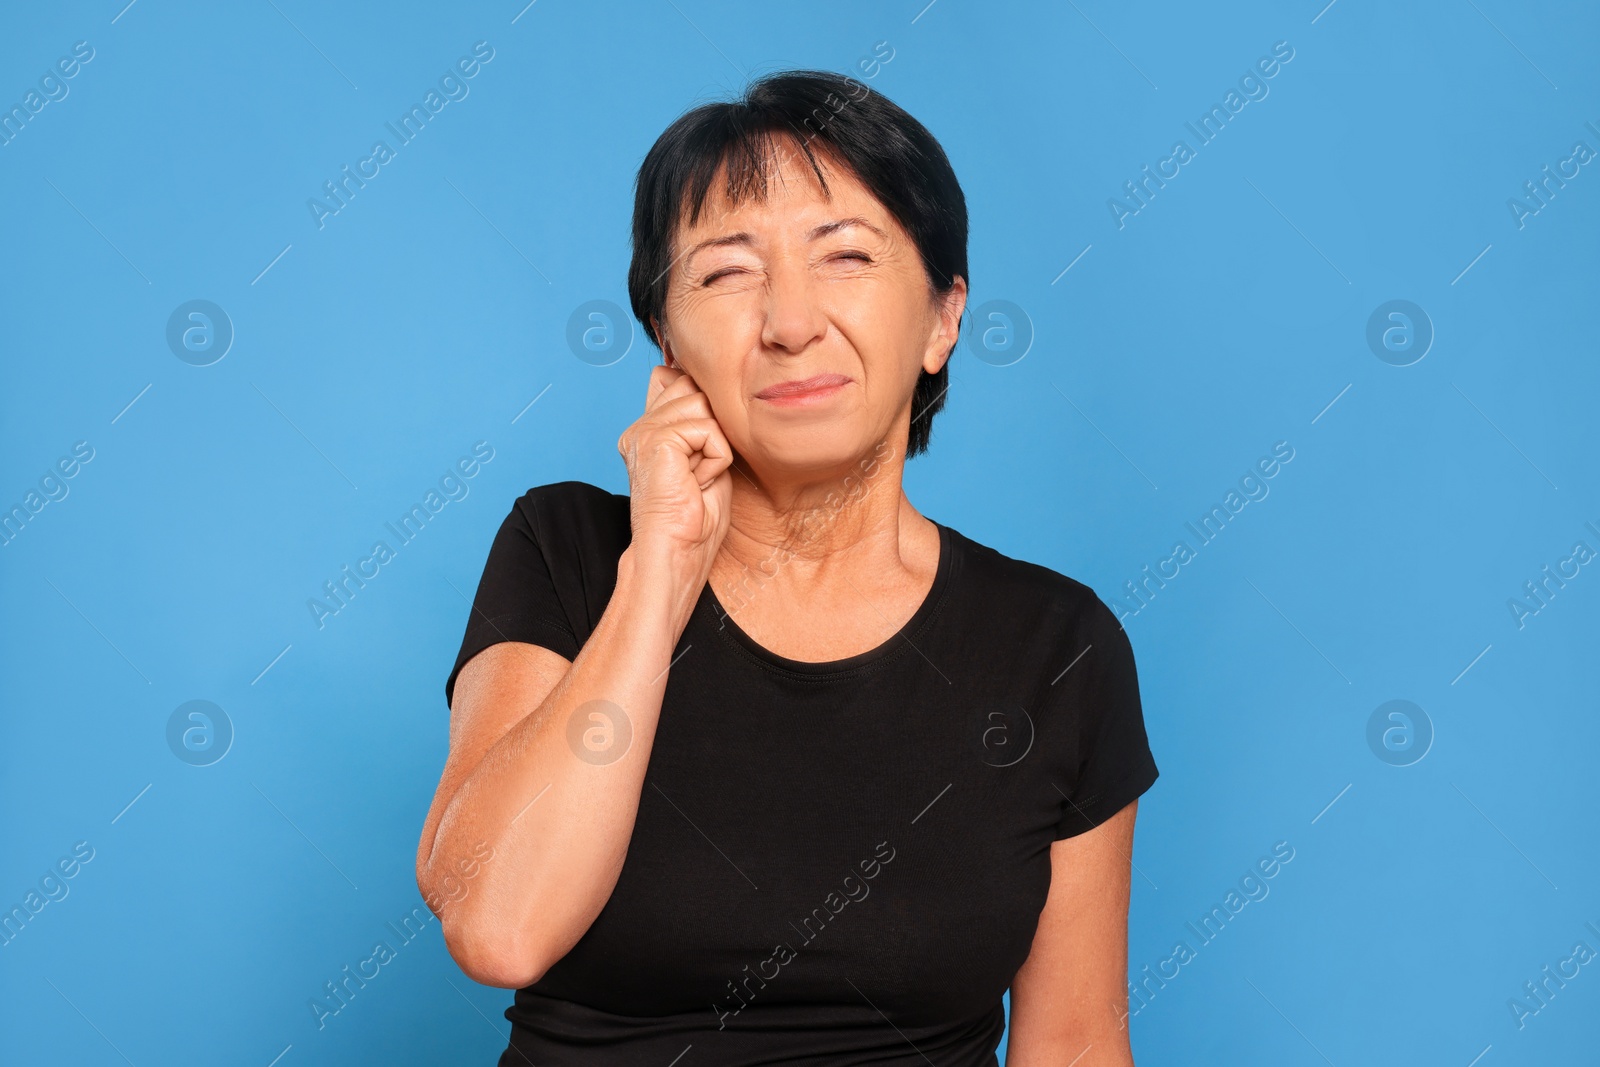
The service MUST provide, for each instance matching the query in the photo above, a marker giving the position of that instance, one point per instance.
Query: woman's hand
(680, 476)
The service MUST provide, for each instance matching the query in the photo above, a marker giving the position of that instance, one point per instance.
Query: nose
(794, 316)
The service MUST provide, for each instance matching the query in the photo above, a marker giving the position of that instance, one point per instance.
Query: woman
(758, 764)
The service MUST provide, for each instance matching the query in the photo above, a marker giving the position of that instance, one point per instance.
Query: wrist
(658, 578)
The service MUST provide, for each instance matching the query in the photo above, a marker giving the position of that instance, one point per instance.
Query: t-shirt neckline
(721, 620)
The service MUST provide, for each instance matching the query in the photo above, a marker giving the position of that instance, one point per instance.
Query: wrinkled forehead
(783, 165)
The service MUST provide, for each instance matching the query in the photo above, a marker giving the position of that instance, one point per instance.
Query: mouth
(804, 390)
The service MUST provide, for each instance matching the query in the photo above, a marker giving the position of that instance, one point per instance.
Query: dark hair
(890, 152)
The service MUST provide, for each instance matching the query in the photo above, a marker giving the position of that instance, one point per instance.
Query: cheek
(878, 323)
(714, 335)
(729, 406)
(734, 418)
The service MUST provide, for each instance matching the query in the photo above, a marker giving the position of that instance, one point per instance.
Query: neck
(851, 520)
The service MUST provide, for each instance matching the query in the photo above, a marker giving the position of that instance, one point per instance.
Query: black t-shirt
(832, 863)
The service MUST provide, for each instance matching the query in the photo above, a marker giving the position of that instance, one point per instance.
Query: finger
(689, 436)
(680, 386)
(712, 452)
(672, 403)
(662, 378)
(720, 483)
(716, 458)
(684, 406)
(697, 408)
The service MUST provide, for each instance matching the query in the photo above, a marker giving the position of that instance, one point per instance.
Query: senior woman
(759, 764)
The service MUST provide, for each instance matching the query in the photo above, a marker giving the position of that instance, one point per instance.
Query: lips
(803, 386)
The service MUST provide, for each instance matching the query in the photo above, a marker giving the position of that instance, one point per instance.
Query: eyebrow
(815, 233)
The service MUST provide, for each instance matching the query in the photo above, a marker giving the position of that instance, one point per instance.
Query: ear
(947, 327)
(665, 343)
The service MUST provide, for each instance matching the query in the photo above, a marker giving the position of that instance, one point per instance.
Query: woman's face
(795, 288)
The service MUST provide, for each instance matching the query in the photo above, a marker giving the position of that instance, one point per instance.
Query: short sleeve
(1115, 764)
(517, 598)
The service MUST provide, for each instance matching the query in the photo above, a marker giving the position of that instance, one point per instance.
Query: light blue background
(1227, 315)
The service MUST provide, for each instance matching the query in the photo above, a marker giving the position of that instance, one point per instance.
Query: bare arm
(1069, 999)
(529, 827)
(553, 819)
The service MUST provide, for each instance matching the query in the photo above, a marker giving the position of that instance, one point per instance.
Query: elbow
(490, 955)
(491, 947)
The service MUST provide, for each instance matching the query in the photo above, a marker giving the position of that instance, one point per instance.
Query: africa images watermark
(52, 487)
(855, 888)
(336, 996)
(1538, 194)
(1252, 887)
(1537, 593)
(52, 887)
(1537, 995)
(53, 87)
(452, 886)
(453, 87)
(1253, 84)
(342, 589)
(1253, 486)
(743, 589)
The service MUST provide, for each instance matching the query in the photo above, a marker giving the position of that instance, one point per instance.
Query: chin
(822, 451)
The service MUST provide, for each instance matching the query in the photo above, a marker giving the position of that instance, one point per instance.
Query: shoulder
(573, 525)
(1044, 600)
(569, 495)
(572, 507)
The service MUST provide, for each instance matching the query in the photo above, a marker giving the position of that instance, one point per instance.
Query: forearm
(553, 802)
(1105, 1047)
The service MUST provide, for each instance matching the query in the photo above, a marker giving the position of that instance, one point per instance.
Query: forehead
(779, 181)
